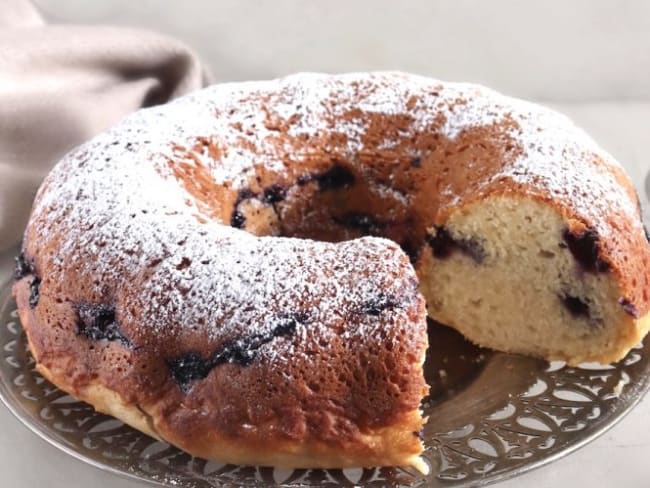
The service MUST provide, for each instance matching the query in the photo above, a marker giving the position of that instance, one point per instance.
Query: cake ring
(246, 272)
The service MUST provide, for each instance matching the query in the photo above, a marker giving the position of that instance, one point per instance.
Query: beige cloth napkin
(60, 85)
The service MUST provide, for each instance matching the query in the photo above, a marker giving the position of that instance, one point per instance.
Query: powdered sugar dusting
(108, 200)
(116, 199)
(564, 162)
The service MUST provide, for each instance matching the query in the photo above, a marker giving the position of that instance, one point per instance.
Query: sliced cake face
(293, 353)
(205, 272)
(510, 274)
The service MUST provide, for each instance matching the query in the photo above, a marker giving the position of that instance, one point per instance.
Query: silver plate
(491, 416)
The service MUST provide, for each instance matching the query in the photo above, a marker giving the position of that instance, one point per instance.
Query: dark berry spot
(336, 177)
(238, 219)
(304, 179)
(245, 194)
(98, 322)
(286, 324)
(585, 250)
(473, 248)
(575, 306)
(243, 351)
(360, 221)
(629, 307)
(411, 250)
(274, 194)
(443, 244)
(376, 305)
(416, 162)
(240, 352)
(34, 293)
(185, 262)
(187, 368)
(23, 267)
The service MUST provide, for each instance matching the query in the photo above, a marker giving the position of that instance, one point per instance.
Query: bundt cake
(243, 272)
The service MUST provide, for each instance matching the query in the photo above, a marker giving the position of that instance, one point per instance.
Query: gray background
(554, 49)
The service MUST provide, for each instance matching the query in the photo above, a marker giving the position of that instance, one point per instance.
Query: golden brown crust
(393, 445)
(104, 375)
(132, 284)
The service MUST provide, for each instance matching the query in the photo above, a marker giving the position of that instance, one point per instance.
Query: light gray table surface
(618, 458)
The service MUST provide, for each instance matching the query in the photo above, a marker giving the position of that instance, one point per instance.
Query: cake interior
(509, 265)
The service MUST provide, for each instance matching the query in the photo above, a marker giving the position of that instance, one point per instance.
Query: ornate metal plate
(491, 416)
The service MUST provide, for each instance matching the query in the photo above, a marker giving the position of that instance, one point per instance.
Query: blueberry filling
(274, 194)
(271, 195)
(336, 177)
(443, 244)
(245, 194)
(411, 250)
(98, 322)
(629, 307)
(416, 162)
(187, 368)
(472, 248)
(576, 307)
(238, 220)
(34, 293)
(584, 247)
(191, 366)
(360, 221)
(23, 267)
(376, 305)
